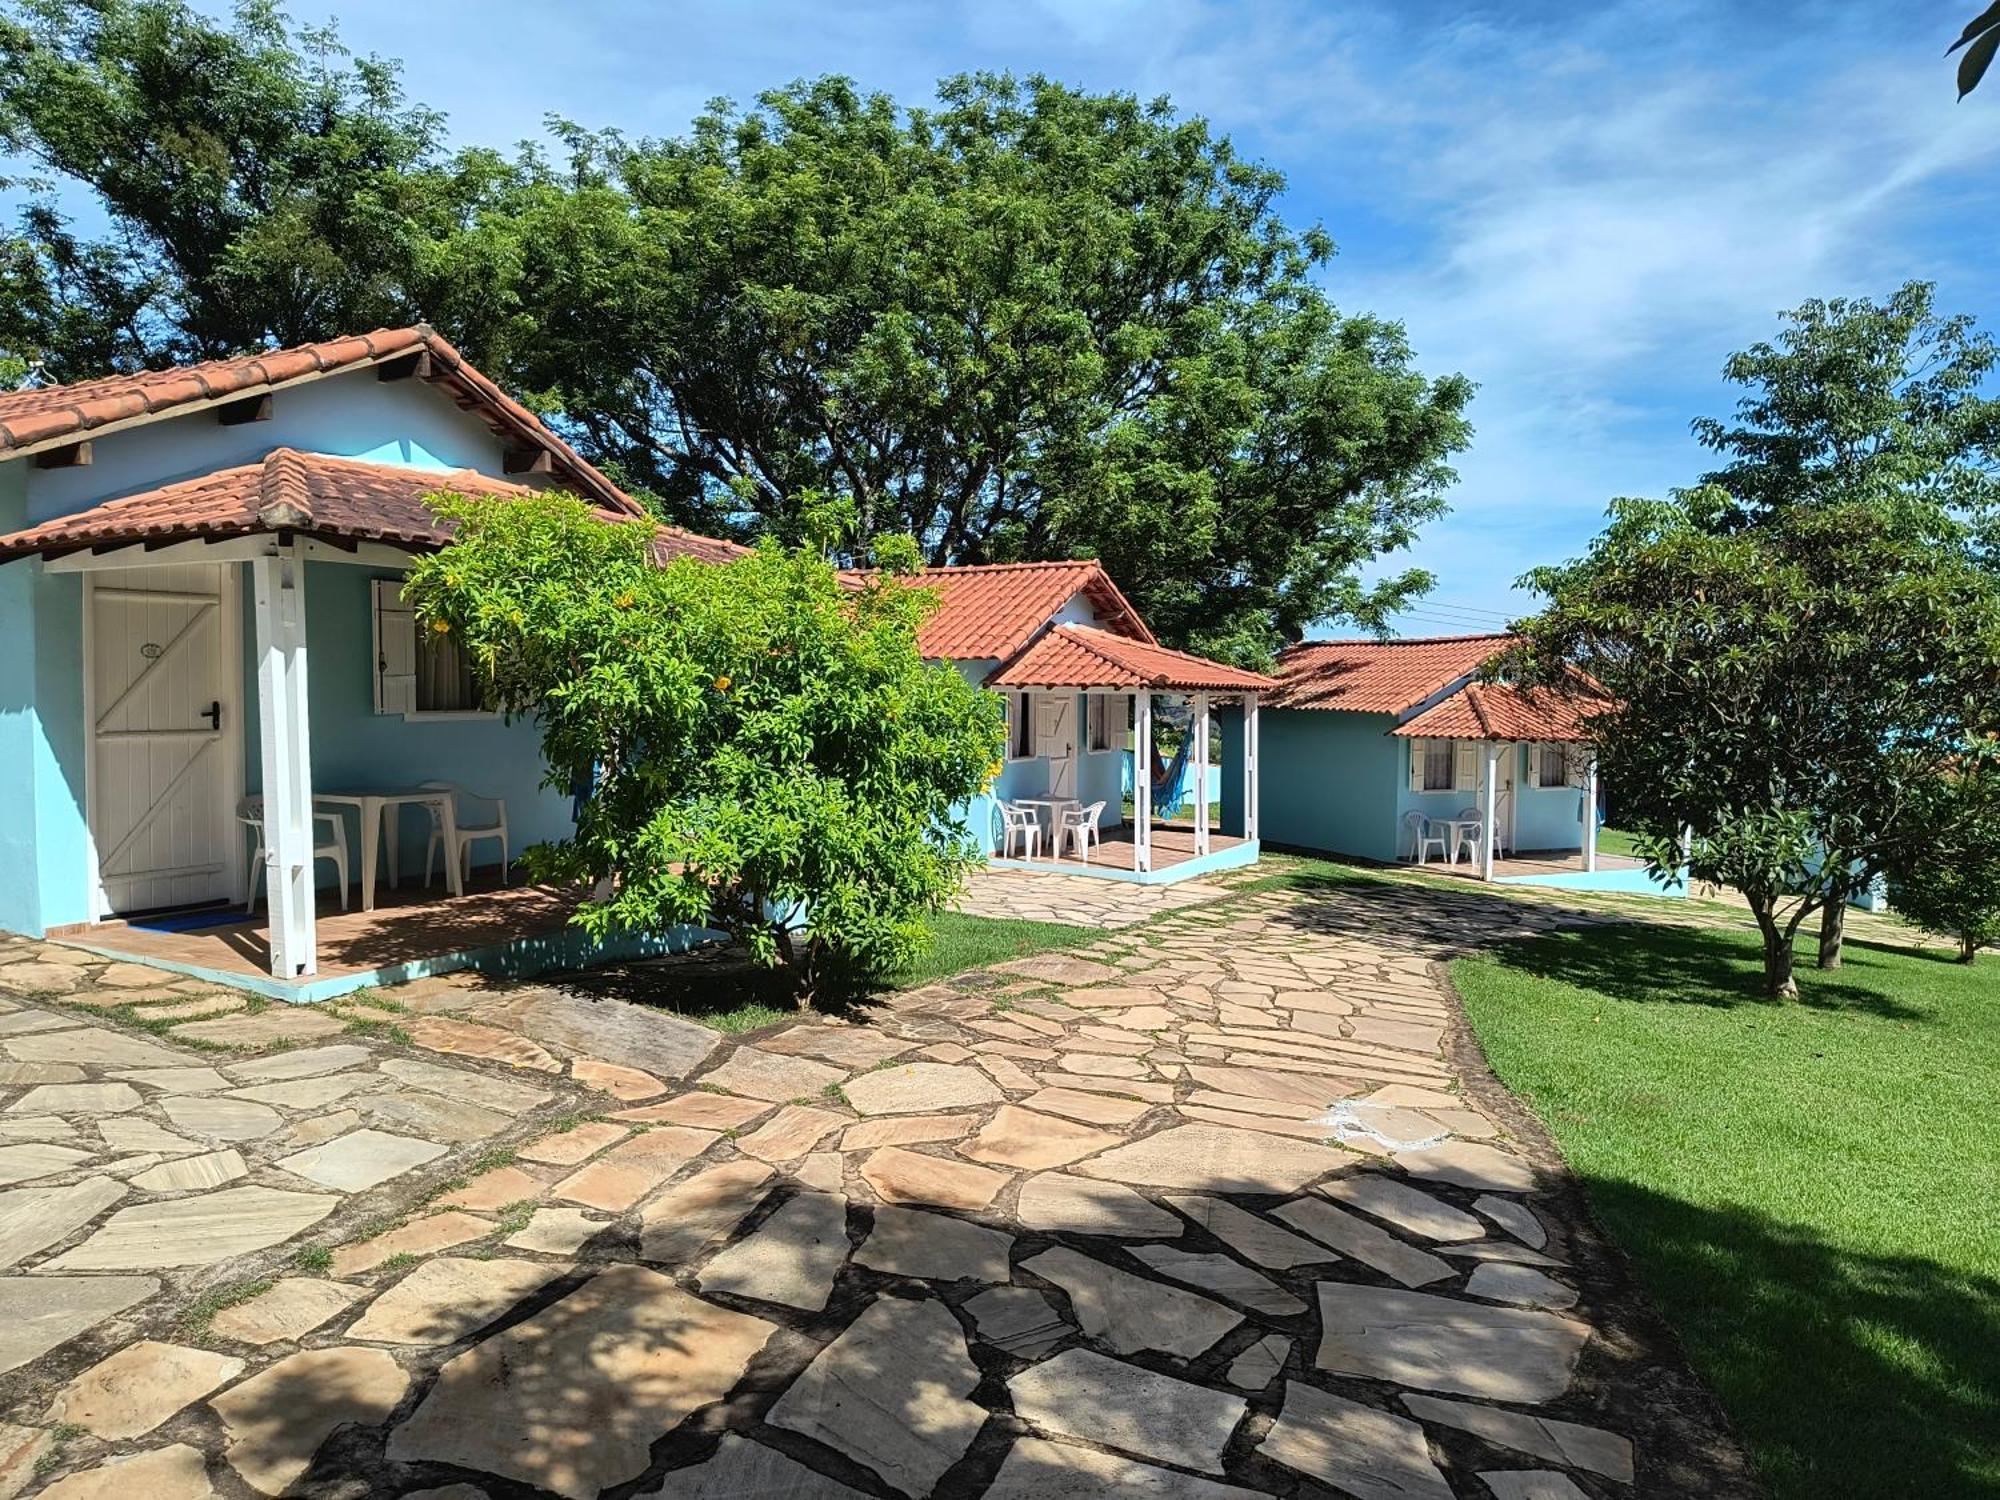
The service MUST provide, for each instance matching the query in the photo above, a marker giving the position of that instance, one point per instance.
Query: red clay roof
(1377, 677)
(989, 611)
(39, 418)
(1500, 711)
(1082, 656)
(308, 493)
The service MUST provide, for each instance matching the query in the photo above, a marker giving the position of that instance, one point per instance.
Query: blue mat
(187, 921)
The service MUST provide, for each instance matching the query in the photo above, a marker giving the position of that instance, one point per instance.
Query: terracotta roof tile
(1083, 656)
(989, 611)
(1500, 711)
(29, 418)
(305, 492)
(1378, 677)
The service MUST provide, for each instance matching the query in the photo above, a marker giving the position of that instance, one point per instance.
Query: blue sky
(1583, 207)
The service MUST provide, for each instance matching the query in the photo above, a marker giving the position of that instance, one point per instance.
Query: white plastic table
(371, 807)
(1456, 831)
(1053, 822)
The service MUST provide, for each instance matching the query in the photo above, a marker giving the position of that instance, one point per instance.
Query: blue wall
(1100, 775)
(355, 749)
(1330, 781)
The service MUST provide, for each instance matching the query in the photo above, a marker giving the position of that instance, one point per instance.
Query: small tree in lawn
(1952, 887)
(768, 753)
(1780, 694)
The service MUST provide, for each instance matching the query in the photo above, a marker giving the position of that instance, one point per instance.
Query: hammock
(1170, 778)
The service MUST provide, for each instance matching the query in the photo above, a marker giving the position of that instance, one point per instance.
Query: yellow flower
(624, 600)
(442, 627)
(722, 684)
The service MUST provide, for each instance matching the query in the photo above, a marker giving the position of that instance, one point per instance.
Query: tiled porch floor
(407, 926)
(1171, 846)
(1530, 862)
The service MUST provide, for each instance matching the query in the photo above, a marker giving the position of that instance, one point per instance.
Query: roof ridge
(1061, 562)
(1404, 640)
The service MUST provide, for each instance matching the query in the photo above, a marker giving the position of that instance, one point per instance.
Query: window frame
(1021, 727)
(1448, 749)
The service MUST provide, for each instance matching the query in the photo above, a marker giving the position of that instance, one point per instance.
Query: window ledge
(447, 715)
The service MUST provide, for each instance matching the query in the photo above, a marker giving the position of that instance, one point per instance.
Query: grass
(1616, 841)
(196, 1317)
(960, 941)
(1807, 1190)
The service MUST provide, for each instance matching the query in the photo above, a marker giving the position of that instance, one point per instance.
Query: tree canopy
(765, 751)
(1018, 322)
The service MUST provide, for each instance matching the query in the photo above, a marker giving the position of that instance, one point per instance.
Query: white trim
(1142, 782)
(284, 734)
(1199, 728)
(1590, 815)
(1486, 810)
(228, 549)
(1252, 757)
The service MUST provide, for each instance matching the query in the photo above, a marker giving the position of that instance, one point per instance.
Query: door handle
(213, 713)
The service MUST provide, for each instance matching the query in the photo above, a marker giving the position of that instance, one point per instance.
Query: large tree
(1022, 322)
(1781, 695)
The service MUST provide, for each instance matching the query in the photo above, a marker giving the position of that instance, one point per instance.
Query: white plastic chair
(1019, 824)
(1079, 829)
(1421, 837)
(469, 830)
(1502, 821)
(1470, 834)
(250, 813)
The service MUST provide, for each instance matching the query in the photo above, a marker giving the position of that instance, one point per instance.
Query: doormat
(186, 921)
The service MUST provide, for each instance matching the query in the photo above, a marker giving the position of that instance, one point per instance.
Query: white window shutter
(1534, 765)
(395, 650)
(1465, 766)
(1417, 764)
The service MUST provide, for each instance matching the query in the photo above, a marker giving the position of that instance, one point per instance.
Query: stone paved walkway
(1202, 1211)
(1079, 900)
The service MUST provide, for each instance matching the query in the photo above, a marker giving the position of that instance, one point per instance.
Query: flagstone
(1571, 1443)
(322, 1127)
(1445, 1344)
(1017, 1137)
(282, 1023)
(772, 1076)
(305, 1062)
(705, 1110)
(434, 1117)
(275, 1421)
(494, 1190)
(221, 1119)
(425, 1236)
(45, 978)
(177, 1472)
(900, 1176)
(188, 1010)
(502, 1094)
(1308, 1090)
(23, 1022)
(32, 1159)
(1252, 1236)
(1058, 968)
(1037, 1469)
(556, 1231)
(743, 1470)
(196, 1231)
(636, 1036)
(37, 1313)
(628, 1172)
(1226, 1278)
(1077, 1205)
(1083, 1394)
(1216, 1158)
(676, 1226)
(305, 1093)
(849, 1046)
(133, 1134)
(1010, 1075)
(573, 1398)
(906, 1130)
(461, 1038)
(822, 1171)
(921, 1088)
(360, 1159)
(1018, 1320)
(934, 1247)
(133, 1391)
(1360, 1450)
(291, 1309)
(792, 1257)
(208, 1170)
(1256, 1367)
(890, 1393)
(194, 1080)
(77, 1099)
(1515, 1217)
(1522, 1285)
(32, 1219)
(790, 1133)
(1368, 1243)
(1470, 1165)
(446, 1299)
(1502, 1250)
(1120, 1088)
(1129, 1313)
(1409, 1209)
(615, 1079)
(1092, 1109)
(565, 1148)
(1531, 1484)
(946, 1052)
(16, 1074)
(1104, 1065)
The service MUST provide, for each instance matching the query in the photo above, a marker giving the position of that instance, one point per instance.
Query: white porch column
(1199, 729)
(1488, 807)
(1142, 781)
(1590, 814)
(1252, 757)
(279, 582)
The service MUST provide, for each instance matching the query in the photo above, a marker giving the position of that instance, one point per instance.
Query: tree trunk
(1778, 981)
(1832, 930)
(1968, 948)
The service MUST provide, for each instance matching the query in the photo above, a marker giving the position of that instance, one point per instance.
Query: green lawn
(1616, 841)
(961, 942)
(1810, 1191)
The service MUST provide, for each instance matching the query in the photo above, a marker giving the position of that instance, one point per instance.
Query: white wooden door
(1506, 805)
(1055, 738)
(162, 709)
